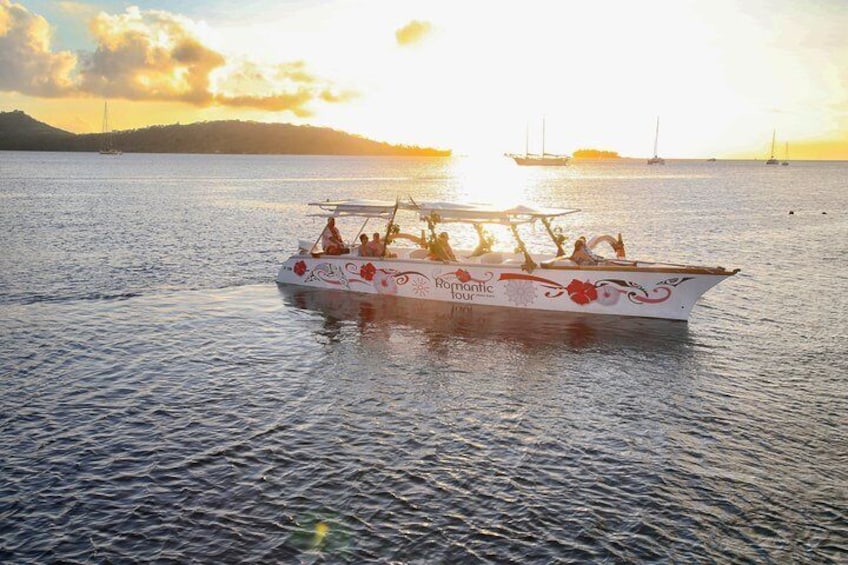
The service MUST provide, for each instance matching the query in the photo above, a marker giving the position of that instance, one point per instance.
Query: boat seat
(492, 258)
(304, 246)
(398, 252)
(560, 262)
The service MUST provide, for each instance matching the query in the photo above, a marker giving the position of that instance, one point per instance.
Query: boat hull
(541, 161)
(651, 292)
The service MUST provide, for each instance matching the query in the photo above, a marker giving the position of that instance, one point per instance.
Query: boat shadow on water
(488, 323)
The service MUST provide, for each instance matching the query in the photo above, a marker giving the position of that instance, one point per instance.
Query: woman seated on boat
(364, 246)
(378, 247)
(331, 239)
(440, 250)
(583, 255)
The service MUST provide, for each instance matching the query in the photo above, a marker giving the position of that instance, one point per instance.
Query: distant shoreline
(21, 132)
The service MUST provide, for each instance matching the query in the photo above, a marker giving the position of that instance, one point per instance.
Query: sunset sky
(468, 76)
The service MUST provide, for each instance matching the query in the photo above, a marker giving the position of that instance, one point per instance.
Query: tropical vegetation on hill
(19, 131)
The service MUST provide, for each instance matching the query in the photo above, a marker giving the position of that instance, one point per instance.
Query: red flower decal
(582, 292)
(367, 271)
(463, 275)
(300, 268)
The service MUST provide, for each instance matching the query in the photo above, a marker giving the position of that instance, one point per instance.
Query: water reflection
(442, 322)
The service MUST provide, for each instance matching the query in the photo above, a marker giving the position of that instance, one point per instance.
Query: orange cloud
(27, 64)
(147, 55)
(413, 32)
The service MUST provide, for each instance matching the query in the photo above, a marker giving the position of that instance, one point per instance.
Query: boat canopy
(441, 212)
(445, 212)
(359, 208)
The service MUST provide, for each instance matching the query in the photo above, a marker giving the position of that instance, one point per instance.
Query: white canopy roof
(443, 212)
(484, 213)
(354, 207)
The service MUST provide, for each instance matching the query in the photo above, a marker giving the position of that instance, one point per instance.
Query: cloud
(413, 32)
(152, 55)
(26, 62)
(149, 55)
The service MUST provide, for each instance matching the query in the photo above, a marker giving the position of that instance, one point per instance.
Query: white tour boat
(416, 266)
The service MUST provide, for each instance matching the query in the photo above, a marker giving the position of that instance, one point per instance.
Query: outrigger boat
(521, 279)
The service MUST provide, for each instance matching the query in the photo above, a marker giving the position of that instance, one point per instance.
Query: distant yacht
(656, 159)
(538, 160)
(108, 146)
(772, 160)
(786, 155)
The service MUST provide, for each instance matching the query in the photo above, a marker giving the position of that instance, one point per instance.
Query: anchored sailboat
(772, 160)
(542, 159)
(656, 159)
(108, 145)
(786, 155)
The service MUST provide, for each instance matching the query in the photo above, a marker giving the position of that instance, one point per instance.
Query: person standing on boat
(331, 239)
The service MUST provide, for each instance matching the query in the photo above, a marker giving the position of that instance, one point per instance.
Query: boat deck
(517, 260)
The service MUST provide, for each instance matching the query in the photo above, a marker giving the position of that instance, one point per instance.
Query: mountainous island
(21, 132)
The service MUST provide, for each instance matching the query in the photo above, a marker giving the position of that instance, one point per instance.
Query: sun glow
(446, 75)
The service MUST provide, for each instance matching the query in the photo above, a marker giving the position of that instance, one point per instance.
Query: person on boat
(364, 246)
(441, 249)
(331, 239)
(377, 247)
(582, 255)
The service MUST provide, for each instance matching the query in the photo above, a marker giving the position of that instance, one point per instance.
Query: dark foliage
(18, 131)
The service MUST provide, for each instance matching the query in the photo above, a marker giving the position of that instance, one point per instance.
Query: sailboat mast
(656, 136)
(772, 143)
(543, 137)
(105, 117)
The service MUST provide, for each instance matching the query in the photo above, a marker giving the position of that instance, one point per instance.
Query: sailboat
(656, 160)
(541, 159)
(786, 155)
(772, 160)
(108, 146)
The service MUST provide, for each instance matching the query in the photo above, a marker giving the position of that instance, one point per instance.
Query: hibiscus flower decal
(299, 268)
(367, 271)
(463, 275)
(582, 292)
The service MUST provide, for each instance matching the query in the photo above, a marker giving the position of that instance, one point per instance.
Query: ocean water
(162, 399)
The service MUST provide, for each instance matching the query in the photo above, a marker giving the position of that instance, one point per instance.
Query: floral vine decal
(383, 281)
(605, 292)
(464, 276)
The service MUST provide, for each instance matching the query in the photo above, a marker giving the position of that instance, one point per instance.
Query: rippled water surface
(163, 400)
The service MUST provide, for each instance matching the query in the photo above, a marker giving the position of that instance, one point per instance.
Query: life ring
(616, 244)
